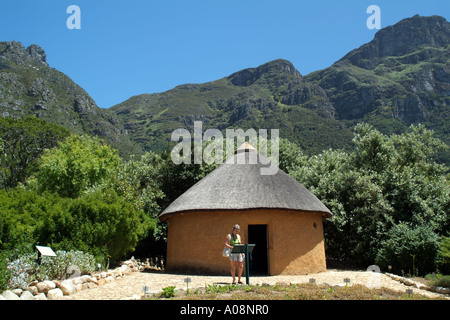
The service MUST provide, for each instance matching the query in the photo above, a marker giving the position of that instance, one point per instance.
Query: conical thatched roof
(238, 184)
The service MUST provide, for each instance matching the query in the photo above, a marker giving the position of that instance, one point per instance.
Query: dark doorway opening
(257, 234)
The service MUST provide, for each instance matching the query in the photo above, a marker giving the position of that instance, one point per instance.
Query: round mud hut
(275, 212)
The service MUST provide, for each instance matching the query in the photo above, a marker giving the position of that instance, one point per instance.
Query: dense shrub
(65, 265)
(25, 268)
(411, 251)
(5, 273)
(443, 256)
(79, 164)
(21, 212)
(101, 223)
(388, 186)
(22, 142)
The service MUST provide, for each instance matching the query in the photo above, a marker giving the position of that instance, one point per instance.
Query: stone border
(62, 289)
(418, 285)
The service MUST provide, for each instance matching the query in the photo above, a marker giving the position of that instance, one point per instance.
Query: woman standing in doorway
(236, 259)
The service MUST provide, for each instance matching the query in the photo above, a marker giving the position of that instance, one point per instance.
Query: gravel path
(126, 287)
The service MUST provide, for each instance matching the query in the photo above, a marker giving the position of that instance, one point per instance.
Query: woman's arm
(227, 242)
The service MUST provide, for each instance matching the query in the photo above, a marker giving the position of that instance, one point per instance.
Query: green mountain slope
(28, 86)
(272, 96)
(399, 78)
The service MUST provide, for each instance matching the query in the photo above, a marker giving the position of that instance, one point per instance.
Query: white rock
(92, 285)
(40, 296)
(51, 284)
(27, 295)
(54, 294)
(125, 270)
(9, 295)
(408, 282)
(109, 279)
(43, 287)
(68, 287)
(442, 290)
(424, 287)
(17, 292)
(2, 297)
(33, 290)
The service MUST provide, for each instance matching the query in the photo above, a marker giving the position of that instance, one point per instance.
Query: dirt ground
(132, 284)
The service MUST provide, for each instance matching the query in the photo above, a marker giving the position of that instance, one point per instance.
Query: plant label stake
(187, 280)
(145, 289)
(44, 252)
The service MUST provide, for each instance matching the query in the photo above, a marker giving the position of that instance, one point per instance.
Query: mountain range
(401, 77)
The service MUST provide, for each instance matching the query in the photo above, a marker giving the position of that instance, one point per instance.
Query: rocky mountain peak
(37, 53)
(402, 38)
(15, 52)
(278, 66)
(248, 76)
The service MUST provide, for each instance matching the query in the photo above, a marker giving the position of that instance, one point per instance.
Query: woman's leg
(240, 269)
(233, 270)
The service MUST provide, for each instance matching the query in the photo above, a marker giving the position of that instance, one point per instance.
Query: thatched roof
(236, 185)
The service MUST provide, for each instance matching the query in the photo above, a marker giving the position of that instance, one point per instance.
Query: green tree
(75, 202)
(79, 164)
(20, 212)
(138, 181)
(22, 142)
(384, 182)
(409, 250)
(443, 255)
(101, 223)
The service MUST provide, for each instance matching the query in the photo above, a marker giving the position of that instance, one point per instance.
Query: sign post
(246, 249)
(187, 280)
(44, 251)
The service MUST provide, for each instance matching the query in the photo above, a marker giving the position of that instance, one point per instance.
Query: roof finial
(246, 147)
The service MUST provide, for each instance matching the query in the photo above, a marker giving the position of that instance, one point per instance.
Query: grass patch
(438, 280)
(307, 291)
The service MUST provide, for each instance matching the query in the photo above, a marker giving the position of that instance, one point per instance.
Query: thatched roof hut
(275, 211)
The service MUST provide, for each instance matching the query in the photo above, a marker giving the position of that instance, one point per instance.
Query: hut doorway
(257, 234)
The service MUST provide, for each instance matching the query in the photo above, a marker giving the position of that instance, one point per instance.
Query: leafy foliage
(389, 187)
(409, 250)
(80, 164)
(168, 292)
(76, 203)
(21, 144)
(25, 268)
(101, 223)
(389, 197)
(443, 255)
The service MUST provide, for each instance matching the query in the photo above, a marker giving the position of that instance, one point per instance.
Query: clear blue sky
(130, 47)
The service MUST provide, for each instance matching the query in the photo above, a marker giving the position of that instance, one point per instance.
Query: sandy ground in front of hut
(132, 284)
